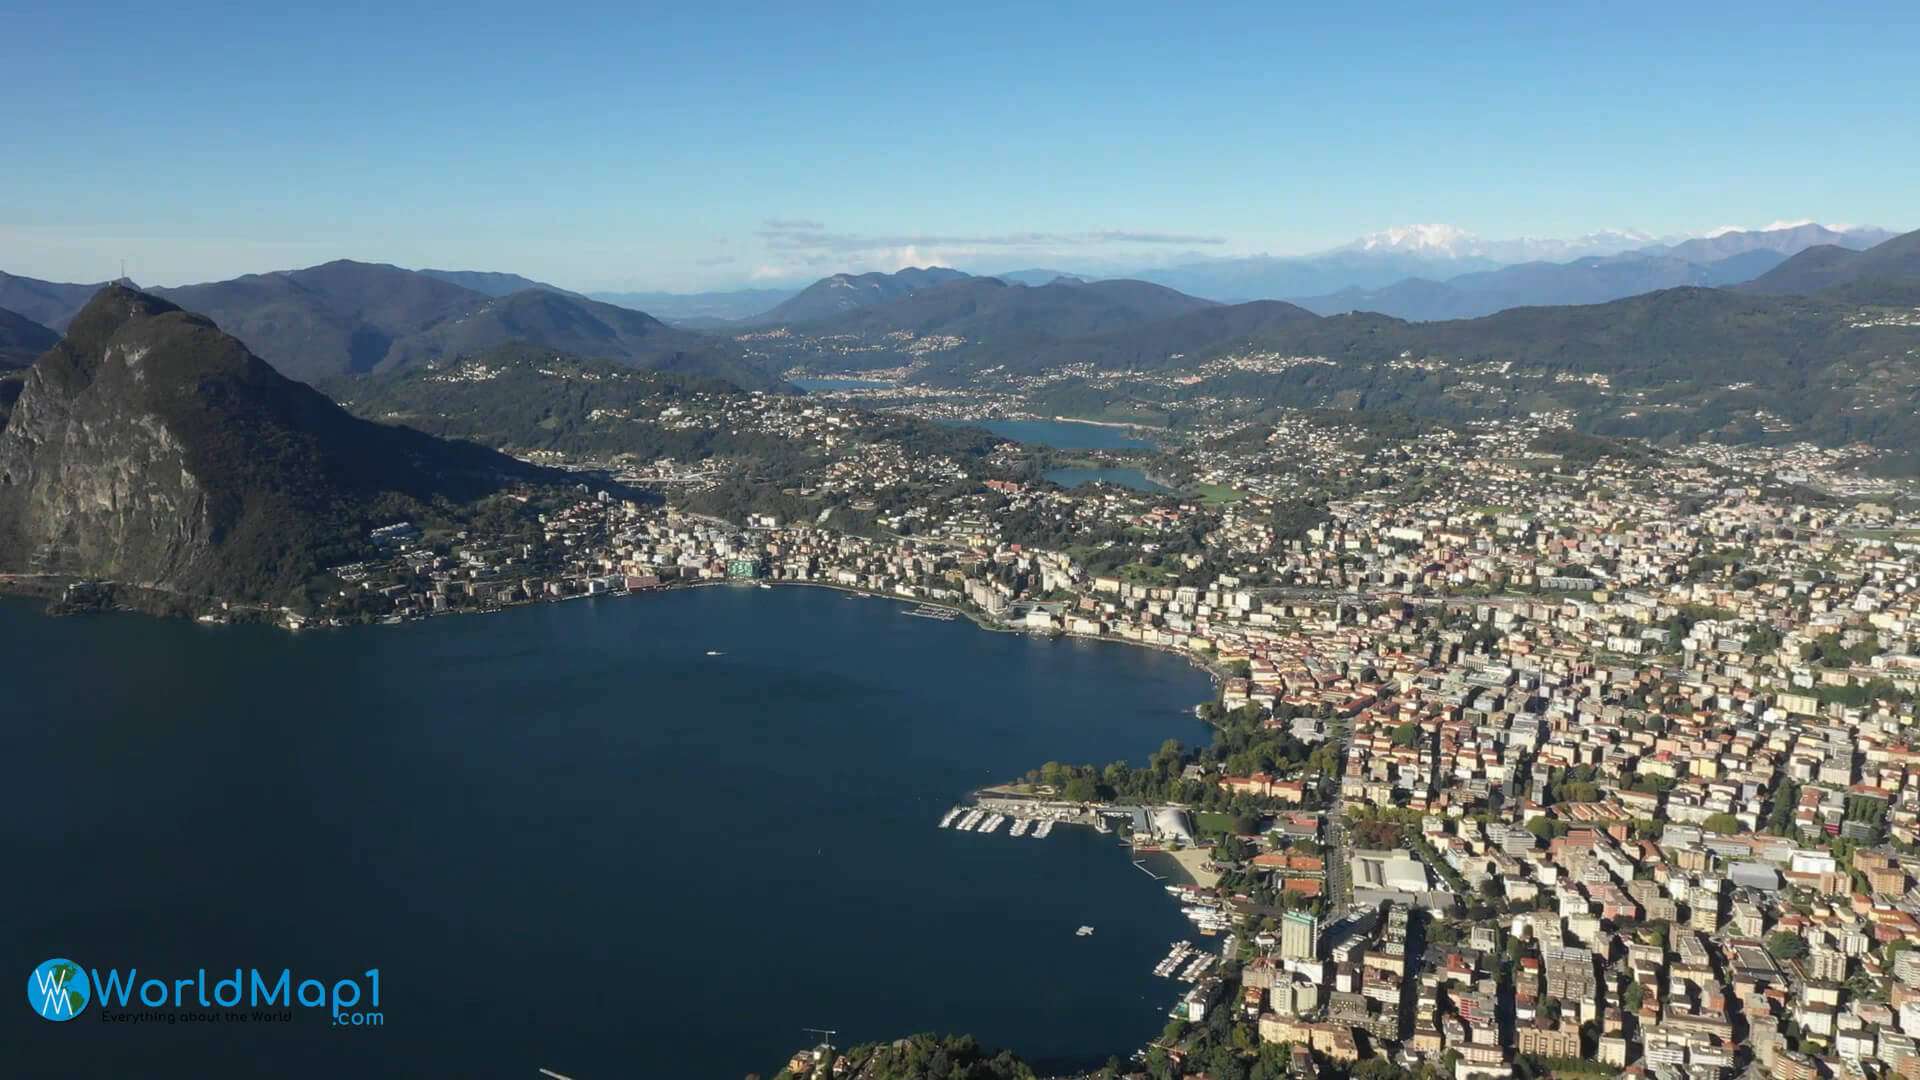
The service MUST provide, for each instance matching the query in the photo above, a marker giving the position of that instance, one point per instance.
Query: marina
(934, 611)
(1181, 950)
(1036, 821)
(1209, 920)
(1201, 962)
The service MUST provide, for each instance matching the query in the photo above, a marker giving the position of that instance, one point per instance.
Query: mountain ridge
(354, 317)
(837, 294)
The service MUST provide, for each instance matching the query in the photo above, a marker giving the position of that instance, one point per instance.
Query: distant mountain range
(48, 303)
(350, 317)
(1420, 256)
(149, 448)
(22, 340)
(1394, 271)
(1829, 267)
(355, 318)
(1591, 280)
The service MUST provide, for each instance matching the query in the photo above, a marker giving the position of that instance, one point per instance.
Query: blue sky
(638, 146)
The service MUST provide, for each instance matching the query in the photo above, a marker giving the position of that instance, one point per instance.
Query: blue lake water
(1062, 434)
(840, 384)
(570, 839)
(1132, 478)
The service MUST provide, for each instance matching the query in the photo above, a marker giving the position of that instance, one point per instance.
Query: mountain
(831, 296)
(583, 327)
(22, 340)
(1591, 280)
(699, 309)
(491, 283)
(339, 316)
(1785, 240)
(49, 303)
(350, 317)
(151, 448)
(1829, 266)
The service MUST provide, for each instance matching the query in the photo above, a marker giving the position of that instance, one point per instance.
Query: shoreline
(51, 589)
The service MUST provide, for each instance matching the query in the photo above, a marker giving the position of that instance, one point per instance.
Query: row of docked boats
(1181, 950)
(964, 819)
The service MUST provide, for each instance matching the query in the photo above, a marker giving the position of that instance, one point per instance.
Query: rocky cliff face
(91, 478)
(150, 448)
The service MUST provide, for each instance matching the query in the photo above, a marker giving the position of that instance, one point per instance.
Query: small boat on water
(1085, 931)
(764, 585)
(715, 652)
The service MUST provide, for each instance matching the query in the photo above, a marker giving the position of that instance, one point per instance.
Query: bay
(1062, 434)
(568, 838)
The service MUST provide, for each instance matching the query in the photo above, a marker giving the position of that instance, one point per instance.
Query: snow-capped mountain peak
(1449, 241)
(1453, 242)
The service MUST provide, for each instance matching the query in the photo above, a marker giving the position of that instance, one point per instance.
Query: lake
(1062, 434)
(568, 838)
(840, 384)
(1132, 478)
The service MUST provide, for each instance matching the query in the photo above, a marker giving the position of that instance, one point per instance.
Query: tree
(1406, 735)
(1081, 789)
(1721, 823)
(1785, 945)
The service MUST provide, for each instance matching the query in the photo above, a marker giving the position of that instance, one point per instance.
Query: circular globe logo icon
(58, 990)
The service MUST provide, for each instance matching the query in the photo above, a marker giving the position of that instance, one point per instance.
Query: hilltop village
(1536, 753)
